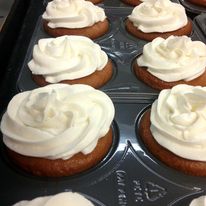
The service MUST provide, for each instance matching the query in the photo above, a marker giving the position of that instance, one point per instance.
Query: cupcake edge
(132, 2)
(198, 2)
(156, 83)
(95, 1)
(186, 30)
(92, 32)
(96, 79)
(59, 167)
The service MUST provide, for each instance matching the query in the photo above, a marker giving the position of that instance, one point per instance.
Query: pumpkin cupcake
(165, 63)
(71, 60)
(58, 130)
(174, 130)
(158, 18)
(79, 17)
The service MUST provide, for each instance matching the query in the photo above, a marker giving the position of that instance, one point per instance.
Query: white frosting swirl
(66, 58)
(200, 201)
(72, 14)
(178, 121)
(174, 59)
(57, 121)
(61, 199)
(158, 16)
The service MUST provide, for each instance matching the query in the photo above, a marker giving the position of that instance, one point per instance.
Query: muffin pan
(200, 25)
(129, 174)
(120, 46)
(193, 8)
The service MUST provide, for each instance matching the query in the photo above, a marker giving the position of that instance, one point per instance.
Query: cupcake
(61, 199)
(174, 130)
(200, 201)
(165, 63)
(58, 130)
(79, 17)
(70, 59)
(198, 2)
(134, 2)
(158, 18)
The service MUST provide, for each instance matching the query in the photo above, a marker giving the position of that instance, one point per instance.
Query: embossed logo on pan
(141, 191)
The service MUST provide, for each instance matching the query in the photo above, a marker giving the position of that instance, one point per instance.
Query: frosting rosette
(178, 121)
(66, 58)
(72, 14)
(200, 201)
(57, 121)
(61, 199)
(158, 16)
(175, 58)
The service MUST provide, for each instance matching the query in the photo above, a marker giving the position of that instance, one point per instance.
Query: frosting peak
(72, 14)
(158, 16)
(175, 58)
(178, 121)
(66, 58)
(57, 121)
